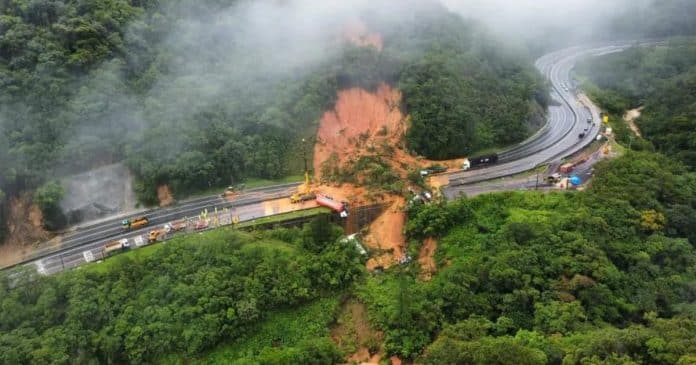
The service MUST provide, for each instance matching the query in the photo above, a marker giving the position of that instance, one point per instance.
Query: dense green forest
(603, 276)
(662, 79)
(179, 299)
(181, 93)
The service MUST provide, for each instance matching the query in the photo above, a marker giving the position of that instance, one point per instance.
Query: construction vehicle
(155, 235)
(135, 223)
(115, 247)
(303, 192)
(479, 161)
(339, 207)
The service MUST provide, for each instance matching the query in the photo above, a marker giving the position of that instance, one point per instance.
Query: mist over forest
(191, 96)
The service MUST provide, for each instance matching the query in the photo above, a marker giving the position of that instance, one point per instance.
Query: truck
(433, 169)
(115, 247)
(566, 168)
(338, 207)
(479, 161)
(155, 235)
(175, 226)
(135, 223)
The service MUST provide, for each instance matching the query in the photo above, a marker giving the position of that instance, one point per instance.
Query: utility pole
(304, 154)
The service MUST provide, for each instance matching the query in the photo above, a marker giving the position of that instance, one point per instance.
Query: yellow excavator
(304, 191)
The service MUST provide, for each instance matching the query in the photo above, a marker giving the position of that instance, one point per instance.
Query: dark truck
(473, 162)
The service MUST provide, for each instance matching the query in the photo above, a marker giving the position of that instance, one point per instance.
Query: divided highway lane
(247, 206)
(110, 229)
(566, 121)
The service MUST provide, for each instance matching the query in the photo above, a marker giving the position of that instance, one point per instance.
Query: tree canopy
(181, 298)
(662, 79)
(596, 277)
(185, 96)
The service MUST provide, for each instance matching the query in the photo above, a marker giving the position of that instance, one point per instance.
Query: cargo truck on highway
(337, 207)
(135, 223)
(473, 162)
(115, 247)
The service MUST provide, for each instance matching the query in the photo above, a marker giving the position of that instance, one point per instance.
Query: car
(201, 225)
(581, 135)
(124, 242)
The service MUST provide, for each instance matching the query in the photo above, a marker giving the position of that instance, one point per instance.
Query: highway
(556, 139)
(559, 137)
(92, 237)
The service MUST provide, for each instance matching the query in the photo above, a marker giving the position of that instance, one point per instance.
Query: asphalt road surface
(558, 138)
(567, 119)
(70, 252)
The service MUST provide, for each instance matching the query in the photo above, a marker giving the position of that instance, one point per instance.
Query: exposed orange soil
(11, 253)
(363, 122)
(438, 181)
(357, 33)
(386, 234)
(25, 222)
(164, 194)
(358, 112)
(24, 228)
(426, 258)
(284, 205)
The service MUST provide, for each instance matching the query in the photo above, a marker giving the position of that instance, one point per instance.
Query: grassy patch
(257, 183)
(284, 328)
(248, 184)
(142, 253)
(284, 217)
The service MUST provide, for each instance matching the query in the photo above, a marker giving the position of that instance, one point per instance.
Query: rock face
(98, 193)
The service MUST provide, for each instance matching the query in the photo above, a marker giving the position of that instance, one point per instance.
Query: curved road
(559, 138)
(555, 140)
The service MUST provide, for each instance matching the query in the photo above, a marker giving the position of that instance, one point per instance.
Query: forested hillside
(662, 79)
(179, 300)
(654, 18)
(604, 276)
(197, 94)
